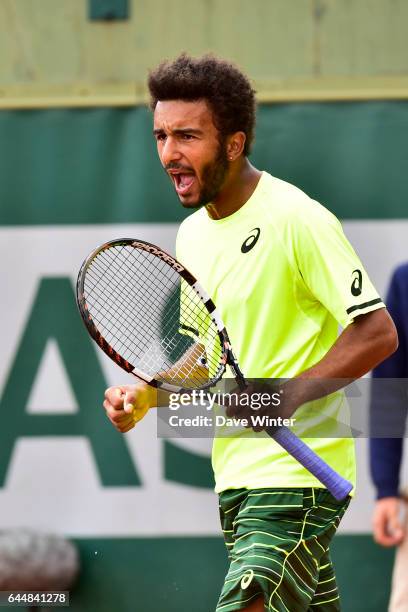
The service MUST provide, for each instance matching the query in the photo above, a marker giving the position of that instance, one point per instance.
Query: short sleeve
(330, 267)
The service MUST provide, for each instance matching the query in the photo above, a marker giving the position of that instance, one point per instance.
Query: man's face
(190, 150)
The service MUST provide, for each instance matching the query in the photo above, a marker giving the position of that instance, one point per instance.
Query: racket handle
(338, 486)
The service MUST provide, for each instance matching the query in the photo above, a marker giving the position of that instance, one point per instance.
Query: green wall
(100, 166)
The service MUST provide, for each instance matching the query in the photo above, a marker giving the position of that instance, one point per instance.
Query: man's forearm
(358, 349)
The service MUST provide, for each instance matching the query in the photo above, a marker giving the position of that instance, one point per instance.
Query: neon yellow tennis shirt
(283, 276)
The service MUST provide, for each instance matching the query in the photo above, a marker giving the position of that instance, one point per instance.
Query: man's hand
(388, 529)
(128, 404)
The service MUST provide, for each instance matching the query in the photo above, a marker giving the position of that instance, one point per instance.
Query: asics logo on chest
(251, 241)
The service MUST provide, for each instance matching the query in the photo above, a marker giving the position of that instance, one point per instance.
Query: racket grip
(338, 486)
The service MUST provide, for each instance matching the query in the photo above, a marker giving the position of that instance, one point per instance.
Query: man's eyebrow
(179, 131)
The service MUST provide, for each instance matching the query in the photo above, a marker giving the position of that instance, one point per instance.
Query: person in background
(389, 524)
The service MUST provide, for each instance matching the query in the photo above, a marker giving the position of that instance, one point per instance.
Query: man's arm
(370, 339)
(329, 269)
(359, 348)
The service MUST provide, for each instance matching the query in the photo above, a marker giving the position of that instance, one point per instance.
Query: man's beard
(213, 177)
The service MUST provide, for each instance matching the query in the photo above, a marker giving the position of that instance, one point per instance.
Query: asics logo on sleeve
(357, 284)
(247, 579)
(251, 241)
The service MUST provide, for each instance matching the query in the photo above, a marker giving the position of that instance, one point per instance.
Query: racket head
(150, 315)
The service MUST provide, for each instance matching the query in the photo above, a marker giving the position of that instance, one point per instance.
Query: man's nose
(170, 152)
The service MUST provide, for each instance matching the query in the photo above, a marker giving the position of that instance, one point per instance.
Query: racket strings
(182, 371)
(151, 317)
(168, 341)
(112, 267)
(109, 329)
(127, 295)
(114, 318)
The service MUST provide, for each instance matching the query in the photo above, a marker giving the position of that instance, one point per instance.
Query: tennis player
(283, 276)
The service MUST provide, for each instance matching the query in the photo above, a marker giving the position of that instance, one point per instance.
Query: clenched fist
(128, 404)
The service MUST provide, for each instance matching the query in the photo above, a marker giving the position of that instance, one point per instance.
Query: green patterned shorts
(278, 545)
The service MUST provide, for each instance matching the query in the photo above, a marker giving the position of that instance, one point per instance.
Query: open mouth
(182, 182)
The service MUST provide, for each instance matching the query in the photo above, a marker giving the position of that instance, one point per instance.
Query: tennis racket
(152, 318)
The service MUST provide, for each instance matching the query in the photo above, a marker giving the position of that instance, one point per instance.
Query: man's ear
(235, 145)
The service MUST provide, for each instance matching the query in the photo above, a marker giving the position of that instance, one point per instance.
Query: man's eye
(187, 137)
(160, 137)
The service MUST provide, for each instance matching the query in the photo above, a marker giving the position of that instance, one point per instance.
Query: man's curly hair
(227, 91)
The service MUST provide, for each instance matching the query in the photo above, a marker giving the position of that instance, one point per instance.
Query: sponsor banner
(62, 465)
